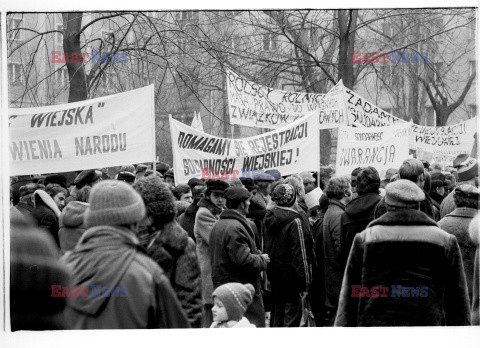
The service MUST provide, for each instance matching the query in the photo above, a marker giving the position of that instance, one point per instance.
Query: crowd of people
(134, 249)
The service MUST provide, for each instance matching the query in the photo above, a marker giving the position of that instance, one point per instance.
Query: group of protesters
(131, 248)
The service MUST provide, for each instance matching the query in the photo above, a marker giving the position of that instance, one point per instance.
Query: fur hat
(141, 168)
(194, 182)
(467, 167)
(161, 167)
(29, 189)
(126, 176)
(437, 180)
(114, 202)
(403, 193)
(169, 174)
(128, 168)
(390, 172)
(86, 177)
(216, 185)
(284, 195)
(56, 179)
(158, 198)
(236, 298)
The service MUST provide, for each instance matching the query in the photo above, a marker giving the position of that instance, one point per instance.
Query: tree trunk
(347, 23)
(72, 24)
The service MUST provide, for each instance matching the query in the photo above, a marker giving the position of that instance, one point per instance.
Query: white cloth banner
(96, 133)
(291, 149)
(379, 147)
(362, 113)
(254, 105)
(443, 144)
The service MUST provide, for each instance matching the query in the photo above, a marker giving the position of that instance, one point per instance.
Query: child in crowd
(230, 301)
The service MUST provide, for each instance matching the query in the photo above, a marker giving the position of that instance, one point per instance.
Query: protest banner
(379, 147)
(291, 149)
(96, 133)
(362, 113)
(443, 144)
(254, 105)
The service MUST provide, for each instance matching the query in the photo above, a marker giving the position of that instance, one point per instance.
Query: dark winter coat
(187, 219)
(175, 253)
(25, 208)
(437, 198)
(234, 258)
(357, 215)
(404, 248)
(457, 223)
(46, 215)
(71, 225)
(256, 212)
(108, 256)
(332, 224)
(234, 255)
(475, 237)
(34, 268)
(206, 217)
(290, 247)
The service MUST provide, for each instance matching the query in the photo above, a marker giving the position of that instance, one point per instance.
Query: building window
(269, 42)
(15, 73)
(472, 110)
(62, 77)
(234, 44)
(13, 34)
(472, 67)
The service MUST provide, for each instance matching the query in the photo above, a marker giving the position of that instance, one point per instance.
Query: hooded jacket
(71, 225)
(457, 223)
(358, 214)
(46, 214)
(175, 253)
(420, 265)
(290, 248)
(206, 217)
(109, 261)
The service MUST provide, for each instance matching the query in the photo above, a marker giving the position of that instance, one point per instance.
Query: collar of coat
(234, 214)
(463, 212)
(404, 217)
(171, 235)
(206, 203)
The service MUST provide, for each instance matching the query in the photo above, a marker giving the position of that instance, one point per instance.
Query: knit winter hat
(113, 202)
(284, 195)
(158, 198)
(403, 193)
(467, 167)
(236, 298)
